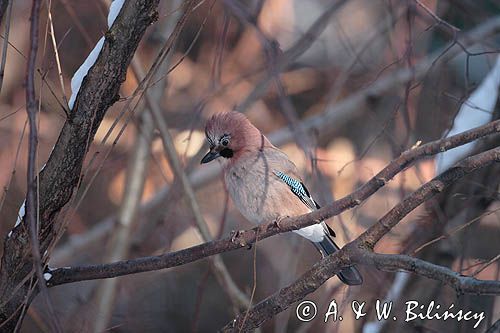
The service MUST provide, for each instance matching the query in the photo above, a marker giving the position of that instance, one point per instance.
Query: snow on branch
(477, 110)
(77, 79)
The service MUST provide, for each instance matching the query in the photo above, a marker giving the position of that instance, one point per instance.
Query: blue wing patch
(297, 188)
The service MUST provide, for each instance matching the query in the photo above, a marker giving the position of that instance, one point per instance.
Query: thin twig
(13, 172)
(120, 240)
(454, 231)
(32, 202)
(75, 19)
(3, 8)
(436, 17)
(56, 54)
(482, 268)
(5, 42)
(254, 287)
(290, 55)
(134, 188)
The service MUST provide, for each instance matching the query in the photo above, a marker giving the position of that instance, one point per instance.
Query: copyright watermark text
(412, 310)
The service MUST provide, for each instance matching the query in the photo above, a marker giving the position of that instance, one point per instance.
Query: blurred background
(343, 87)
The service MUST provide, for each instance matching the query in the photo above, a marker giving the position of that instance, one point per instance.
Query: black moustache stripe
(226, 153)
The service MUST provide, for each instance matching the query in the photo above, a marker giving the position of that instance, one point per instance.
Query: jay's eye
(224, 142)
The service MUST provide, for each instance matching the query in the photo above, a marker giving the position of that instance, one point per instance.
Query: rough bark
(60, 177)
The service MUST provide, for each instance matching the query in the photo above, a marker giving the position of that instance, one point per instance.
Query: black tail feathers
(349, 275)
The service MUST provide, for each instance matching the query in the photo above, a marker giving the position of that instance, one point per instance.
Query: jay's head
(230, 134)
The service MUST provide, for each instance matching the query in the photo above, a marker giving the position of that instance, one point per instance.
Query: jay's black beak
(210, 156)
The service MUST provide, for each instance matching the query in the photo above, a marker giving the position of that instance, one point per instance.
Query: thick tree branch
(60, 177)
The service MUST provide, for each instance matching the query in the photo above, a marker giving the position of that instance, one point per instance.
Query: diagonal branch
(239, 299)
(371, 236)
(290, 55)
(243, 238)
(359, 251)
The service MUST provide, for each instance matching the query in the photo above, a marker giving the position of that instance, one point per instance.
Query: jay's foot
(235, 237)
(278, 220)
(234, 234)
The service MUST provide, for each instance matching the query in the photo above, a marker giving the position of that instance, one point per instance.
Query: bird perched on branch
(263, 183)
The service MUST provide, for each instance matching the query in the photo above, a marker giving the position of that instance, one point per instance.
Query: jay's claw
(278, 220)
(234, 235)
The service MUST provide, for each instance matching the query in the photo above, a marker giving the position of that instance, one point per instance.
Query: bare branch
(371, 236)
(359, 252)
(31, 199)
(292, 53)
(461, 284)
(243, 238)
(483, 267)
(6, 37)
(436, 17)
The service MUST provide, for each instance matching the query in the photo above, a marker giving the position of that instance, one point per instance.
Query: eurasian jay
(263, 183)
